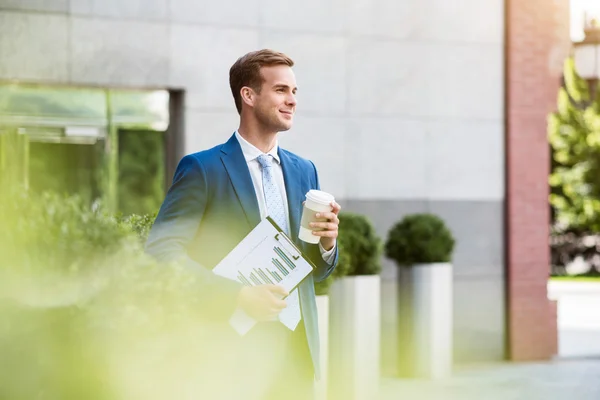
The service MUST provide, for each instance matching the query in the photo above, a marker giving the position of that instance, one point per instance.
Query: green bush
(359, 250)
(56, 233)
(77, 295)
(341, 269)
(358, 236)
(139, 224)
(420, 239)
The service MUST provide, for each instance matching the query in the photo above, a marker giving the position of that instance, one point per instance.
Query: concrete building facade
(404, 106)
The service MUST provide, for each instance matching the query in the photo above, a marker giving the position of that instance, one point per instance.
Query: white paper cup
(316, 201)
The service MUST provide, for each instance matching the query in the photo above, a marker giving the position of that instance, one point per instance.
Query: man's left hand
(330, 227)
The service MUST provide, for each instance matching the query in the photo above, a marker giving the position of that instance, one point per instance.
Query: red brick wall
(537, 40)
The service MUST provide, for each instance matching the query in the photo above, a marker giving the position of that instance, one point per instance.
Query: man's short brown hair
(246, 71)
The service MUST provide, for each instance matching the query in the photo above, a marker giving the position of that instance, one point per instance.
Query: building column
(537, 41)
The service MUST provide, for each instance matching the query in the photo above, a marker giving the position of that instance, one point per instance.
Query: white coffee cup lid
(319, 197)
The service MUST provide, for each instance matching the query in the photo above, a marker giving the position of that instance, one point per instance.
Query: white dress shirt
(251, 154)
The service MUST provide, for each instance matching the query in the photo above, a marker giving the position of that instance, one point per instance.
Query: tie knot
(265, 160)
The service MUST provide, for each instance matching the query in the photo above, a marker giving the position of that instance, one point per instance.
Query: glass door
(66, 167)
(97, 143)
(14, 151)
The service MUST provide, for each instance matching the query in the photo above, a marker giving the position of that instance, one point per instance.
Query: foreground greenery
(86, 314)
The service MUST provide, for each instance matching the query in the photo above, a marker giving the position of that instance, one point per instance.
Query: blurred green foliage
(77, 294)
(139, 224)
(87, 315)
(574, 135)
(51, 232)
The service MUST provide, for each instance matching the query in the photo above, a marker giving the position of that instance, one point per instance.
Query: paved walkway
(573, 379)
(578, 317)
(574, 375)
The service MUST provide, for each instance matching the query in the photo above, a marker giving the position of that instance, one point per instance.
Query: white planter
(354, 338)
(425, 321)
(323, 315)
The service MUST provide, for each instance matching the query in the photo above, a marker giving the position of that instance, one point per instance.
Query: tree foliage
(574, 135)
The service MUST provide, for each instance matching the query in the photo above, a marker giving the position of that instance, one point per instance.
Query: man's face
(275, 106)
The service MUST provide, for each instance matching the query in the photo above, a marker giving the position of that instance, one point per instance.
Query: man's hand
(262, 302)
(330, 227)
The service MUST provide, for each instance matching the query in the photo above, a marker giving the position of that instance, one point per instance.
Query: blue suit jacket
(211, 206)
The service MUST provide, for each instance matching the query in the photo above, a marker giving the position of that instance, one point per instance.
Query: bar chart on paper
(265, 256)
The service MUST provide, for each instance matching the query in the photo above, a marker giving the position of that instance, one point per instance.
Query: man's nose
(291, 100)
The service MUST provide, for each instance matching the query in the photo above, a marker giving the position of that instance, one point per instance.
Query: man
(216, 198)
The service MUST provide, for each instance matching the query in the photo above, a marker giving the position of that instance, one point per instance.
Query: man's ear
(248, 96)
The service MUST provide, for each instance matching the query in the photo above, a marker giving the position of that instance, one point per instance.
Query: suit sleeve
(323, 269)
(175, 226)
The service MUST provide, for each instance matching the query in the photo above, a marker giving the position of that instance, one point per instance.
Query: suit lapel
(237, 169)
(293, 177)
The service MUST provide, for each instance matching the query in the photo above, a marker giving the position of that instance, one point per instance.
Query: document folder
(265, 256)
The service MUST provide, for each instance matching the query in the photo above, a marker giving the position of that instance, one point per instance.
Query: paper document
(265, 256)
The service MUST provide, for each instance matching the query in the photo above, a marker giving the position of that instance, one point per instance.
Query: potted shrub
(355, 313)
(343, 265)
(322, 291)
(422, 247)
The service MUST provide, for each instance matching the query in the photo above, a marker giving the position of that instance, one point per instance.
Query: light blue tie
(290, 316)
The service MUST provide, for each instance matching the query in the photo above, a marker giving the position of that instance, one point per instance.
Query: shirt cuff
(328, 256)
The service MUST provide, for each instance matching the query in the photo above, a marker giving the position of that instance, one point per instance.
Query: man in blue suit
(217, 197)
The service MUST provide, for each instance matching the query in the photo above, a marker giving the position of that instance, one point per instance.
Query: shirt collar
(251, 152)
